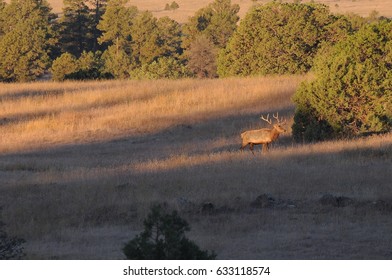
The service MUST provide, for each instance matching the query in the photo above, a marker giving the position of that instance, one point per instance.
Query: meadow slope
(189, 7)
(82, 162)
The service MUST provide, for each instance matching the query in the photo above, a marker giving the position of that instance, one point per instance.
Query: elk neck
(274, 134)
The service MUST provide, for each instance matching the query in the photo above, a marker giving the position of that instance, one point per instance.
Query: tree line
(95, 39)
(351, 56)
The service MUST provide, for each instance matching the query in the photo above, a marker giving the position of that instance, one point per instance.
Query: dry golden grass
(189, 7)
(81, 163)
(50, 114)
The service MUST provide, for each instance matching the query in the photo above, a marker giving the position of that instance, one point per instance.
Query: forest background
(99, 39)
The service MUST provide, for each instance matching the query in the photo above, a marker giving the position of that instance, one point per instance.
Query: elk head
(278, 126)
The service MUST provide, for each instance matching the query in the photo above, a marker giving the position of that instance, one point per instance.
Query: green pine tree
(217, 21)
(115, 26)
(25, 47)
(214, 25)
(145, 35)
(169, 38)
(98, 8)
(76, 27)
(280, 38)
(64, 65)
(156, 47)
(116, 23)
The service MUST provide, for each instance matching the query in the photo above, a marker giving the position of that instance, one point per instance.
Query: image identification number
(256, 270)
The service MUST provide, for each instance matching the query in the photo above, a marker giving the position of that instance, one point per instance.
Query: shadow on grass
(114, 182)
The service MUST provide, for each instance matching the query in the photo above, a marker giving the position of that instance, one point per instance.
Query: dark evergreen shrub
(10, 247)
(351, 94)
(164, 238)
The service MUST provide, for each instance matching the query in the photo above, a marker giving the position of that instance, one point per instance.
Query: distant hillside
(189, 7)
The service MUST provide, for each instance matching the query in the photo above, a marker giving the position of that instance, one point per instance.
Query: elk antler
(281, 120)
(268, 120)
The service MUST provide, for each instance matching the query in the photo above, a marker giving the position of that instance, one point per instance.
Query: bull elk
(263, 136)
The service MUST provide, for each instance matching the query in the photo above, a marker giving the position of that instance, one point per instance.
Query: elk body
(263, 136)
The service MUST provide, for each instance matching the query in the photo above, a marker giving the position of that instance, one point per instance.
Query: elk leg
(251, 147)
(265, 147)
(243, 146)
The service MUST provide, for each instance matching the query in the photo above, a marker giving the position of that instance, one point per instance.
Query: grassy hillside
(189, 7)
(81, 163)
